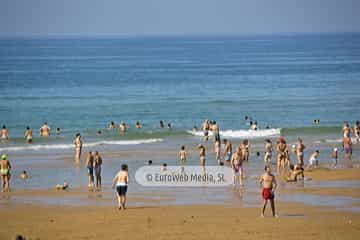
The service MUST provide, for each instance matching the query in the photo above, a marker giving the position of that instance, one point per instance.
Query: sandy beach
(154, 221)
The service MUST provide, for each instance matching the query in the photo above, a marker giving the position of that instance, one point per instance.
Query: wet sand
(152, 221)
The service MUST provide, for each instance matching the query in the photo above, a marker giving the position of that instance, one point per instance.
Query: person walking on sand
(78, 147)
(227, 150)
(202, 155)
(90, 167)
(268, 151)
(28, 135)
(97, 167)
(121, 180)
(268, 186)
(300, 152)
(5, 173)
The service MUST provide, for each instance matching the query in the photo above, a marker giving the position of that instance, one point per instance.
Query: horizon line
(171, 35)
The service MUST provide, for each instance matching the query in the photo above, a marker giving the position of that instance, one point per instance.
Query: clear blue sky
(169, 17)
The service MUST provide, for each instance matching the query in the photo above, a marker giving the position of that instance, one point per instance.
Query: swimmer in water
(5, 167)
(24, 175)
(112, 125)
(45, 130)
(122, 127)
(28, 135)
(138, 125)
(4, 133)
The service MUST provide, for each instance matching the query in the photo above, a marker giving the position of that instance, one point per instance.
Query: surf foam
(91, 144)
(242, 133)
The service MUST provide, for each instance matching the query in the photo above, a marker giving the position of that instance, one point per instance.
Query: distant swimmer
(236, 165)
(227, 150)
(58, 131)
(202, 155)
(206, 128)
(314, 162)
(28, 135)
(138, 125)
(182, 155)
(45, 130)
(24, 175)
(150, 162)
(90, 167)
(121, 181)
(294, 172)
(78, 147)
(112, 125)
(217, 148)
(161, 124)
(317, 121)
(4, 133)
(281, 149)
(268, 185)
(5, 173)
(97, 167)
(300, 152)
(334, 156)
(169, 126)
(122, 127)
(99, 132)
(346, 130)
(268, 151)
(194, 129)
(254, 126)
(244, 146)
(356, 131)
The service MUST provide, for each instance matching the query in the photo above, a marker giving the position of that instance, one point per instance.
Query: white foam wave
(339, 140)
(68, 146)
(243, 133)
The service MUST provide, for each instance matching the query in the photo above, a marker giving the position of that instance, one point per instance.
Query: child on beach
(334, 155)
(313, 162)
(121, 180)
(182, 155)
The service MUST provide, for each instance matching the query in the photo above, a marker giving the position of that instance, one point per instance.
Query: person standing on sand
(236, 165)
(121, 180)
(346, 130)
(356, 131)
(97, 168)
(268, 151)
(217, 146)
(28, 135)
(78, 147)
(90, 167)
(45, 130)
(281, 149)
(268, 186)
(347, 145)
(5, 173)
(202, 155)
(300, 152)
(244, 146)
(206, 128)
(227, 150)
(182, 155)
(4, 133)
(216, 130)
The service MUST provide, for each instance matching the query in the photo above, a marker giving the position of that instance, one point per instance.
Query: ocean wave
(91, 144)
(339, 140)
(243, 133)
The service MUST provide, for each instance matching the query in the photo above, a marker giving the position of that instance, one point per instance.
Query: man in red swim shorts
(268, 184)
